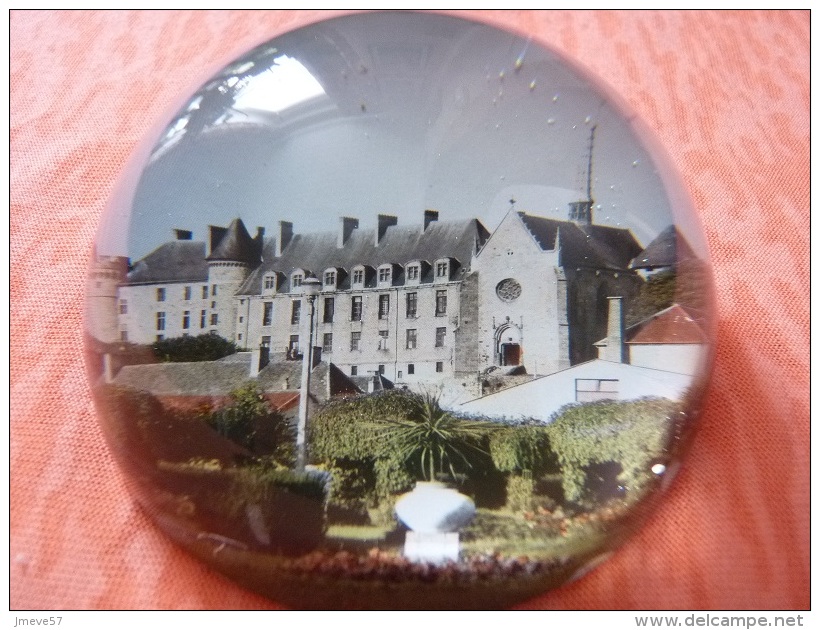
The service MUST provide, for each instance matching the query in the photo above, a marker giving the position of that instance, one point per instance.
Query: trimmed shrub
(631, 434)
(397, 437)
(522, 447)
(520, 492)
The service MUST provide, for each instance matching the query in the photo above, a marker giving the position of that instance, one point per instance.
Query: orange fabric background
(727, 94)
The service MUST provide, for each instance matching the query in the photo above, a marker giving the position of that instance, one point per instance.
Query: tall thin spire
(589, 163)
(581, 211)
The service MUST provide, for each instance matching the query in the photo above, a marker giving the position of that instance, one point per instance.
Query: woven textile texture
(726, 93)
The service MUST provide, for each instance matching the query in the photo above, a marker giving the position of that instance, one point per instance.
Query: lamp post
(310, 289)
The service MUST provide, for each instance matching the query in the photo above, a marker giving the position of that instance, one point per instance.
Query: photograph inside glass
(400, 298)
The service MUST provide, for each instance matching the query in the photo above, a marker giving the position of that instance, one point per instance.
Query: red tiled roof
(672, 325)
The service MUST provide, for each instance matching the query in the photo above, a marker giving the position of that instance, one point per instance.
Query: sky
(391, 113)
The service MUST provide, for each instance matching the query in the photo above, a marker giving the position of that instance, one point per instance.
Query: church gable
(511, 237)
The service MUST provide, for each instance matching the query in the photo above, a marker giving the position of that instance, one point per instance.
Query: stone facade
(416, 304)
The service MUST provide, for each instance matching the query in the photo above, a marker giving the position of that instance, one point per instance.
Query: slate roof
(363, 382)
(220, 378)
(176, 261)
(596, 246)
(667, 249)
(400, 245)
(676, 324)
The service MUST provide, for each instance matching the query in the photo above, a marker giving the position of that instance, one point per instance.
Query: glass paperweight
(399, 310)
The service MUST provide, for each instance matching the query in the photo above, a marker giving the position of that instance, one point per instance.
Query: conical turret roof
(236, 245)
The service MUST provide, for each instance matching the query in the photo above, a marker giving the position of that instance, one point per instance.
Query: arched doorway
(508, 347)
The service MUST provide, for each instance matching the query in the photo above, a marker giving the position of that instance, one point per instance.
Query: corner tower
(234, 254)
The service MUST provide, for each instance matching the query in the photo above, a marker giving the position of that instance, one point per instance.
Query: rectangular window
(213, 304)
(384, 306)
(203, 317)
(411, 338)
(400, 374)
(123, 335)
(441, 269)
(413, 272)
(354, 370)
(161, 320)
(214, 319)
(358, 276)
(412, 304)
(592, 389)
(411, 368)
(440, 335)
(293, 347)
(330, 307)
(269, 282)
(241, 319)
(381, 369)
(186, 320)
(295, 311)
(213, 290)
(355, 339)
(160, 294)
(356, 308)
(383, 339)
(186, 293)
(327, 343)
(267, 313)
(160, 337)
(441, 303)
(239, 337)
(384, 274)
(205, 293)
(265, 341)
(296, 282)
(123, 307)
(330, 278)
(439, 366)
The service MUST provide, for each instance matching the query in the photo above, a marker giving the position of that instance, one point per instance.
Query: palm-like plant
(431, 439)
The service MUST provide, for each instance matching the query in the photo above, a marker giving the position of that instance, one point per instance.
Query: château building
(414, 303)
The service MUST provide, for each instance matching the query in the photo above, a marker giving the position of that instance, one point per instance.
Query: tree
(250, 421)
(431, 440)
(207, 347)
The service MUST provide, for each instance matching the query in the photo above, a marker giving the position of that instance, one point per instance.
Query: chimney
(285, 236)
(260, 357)
(429, 217)
(346, 227)
(183, 235)
(259, 241)
(385, 221)
(615, 349)
(108, 368)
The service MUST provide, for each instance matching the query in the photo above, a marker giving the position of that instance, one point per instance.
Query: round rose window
(508, 290)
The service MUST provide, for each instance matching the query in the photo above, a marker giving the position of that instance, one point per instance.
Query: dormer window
(269, 282)
(358, 277)
(296, 281)
(442, 270)
(385, 275)
(330, 280)
(413, 272)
